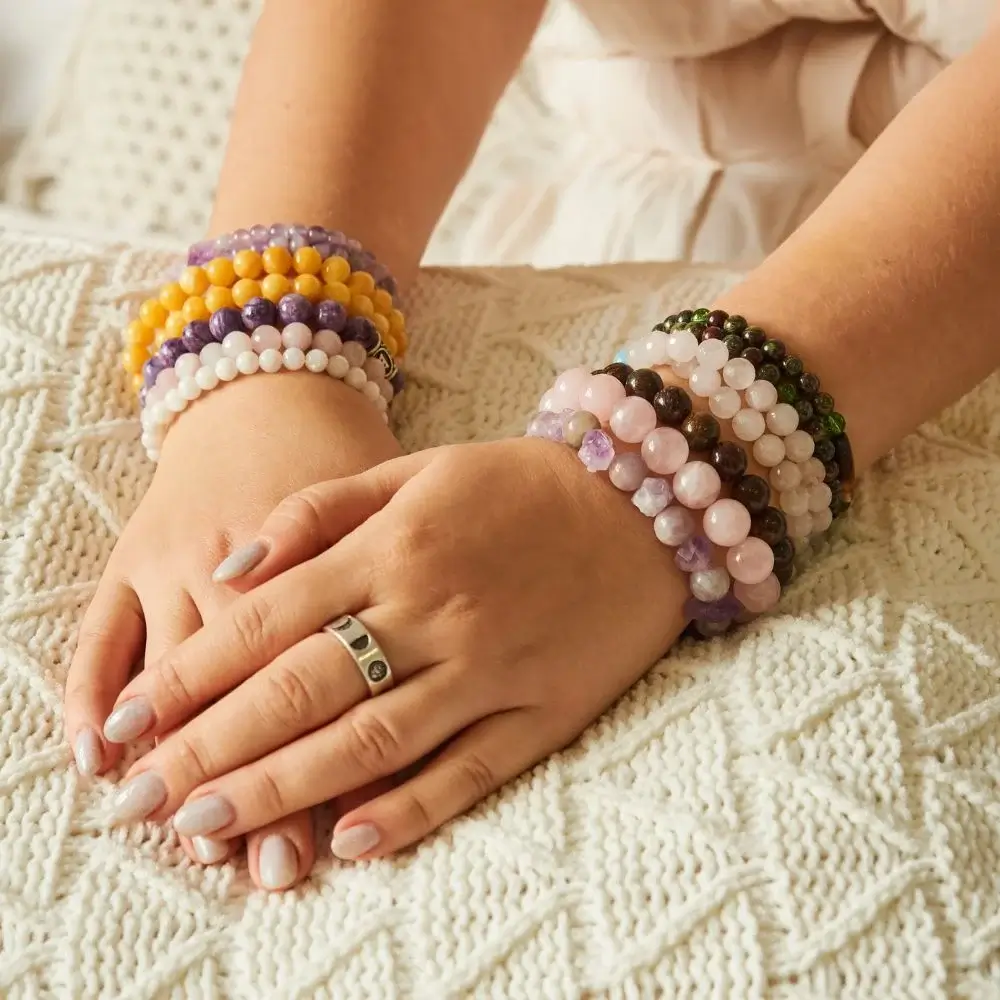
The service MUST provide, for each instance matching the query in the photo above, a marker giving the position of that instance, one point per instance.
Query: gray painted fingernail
(88, 752)
(204, 815)
(209, 852)
(277, 862)
(144, 794)
(354, 841)
(129, 720)
(240, 562)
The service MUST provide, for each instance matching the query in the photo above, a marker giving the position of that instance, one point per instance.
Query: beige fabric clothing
(701, 129)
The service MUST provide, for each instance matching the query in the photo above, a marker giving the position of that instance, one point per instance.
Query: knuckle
(271, 799)
(407, 544)
(416, 817)
(476, 774)
(304, 510)
(286, 700)
(252, 623)
(372, 744)
(172, 685)
(193, 758)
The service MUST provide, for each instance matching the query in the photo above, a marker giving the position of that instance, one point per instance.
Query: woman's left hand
(514, 594)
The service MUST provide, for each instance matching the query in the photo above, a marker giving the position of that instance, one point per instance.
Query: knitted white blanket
(809, 809)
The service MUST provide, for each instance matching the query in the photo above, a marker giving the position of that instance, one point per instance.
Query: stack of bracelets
(734, 534)
(266, 299)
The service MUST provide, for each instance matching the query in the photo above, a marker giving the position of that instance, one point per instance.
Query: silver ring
(364, 650)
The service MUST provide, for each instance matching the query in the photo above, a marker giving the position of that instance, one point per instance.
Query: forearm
(890, 291)
(363, 116)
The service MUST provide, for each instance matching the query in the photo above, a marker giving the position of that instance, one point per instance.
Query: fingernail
(129, 720)
(241, 561)
(277, 862)
(204, 815)
(209, 851)
(88, 752)
(144, 794)
(354, 841)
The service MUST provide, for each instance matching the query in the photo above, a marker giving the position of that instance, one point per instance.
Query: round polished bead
(362, 331)
(693, 555)
(247, 362)
(218, 297)
(726, 522)
(665, 450)
(295, 308)
(600, 395)
(804, 409)
(226, 369)
(787, 393)
(224, 322)
(748, 425)
(211, 353)
(769, 450)
(734, 344)
(754, 356)
(710, 585)
(276, 260)
(823, 403)
(619, 370)
(651, 350)
(356, 379)
(799, 446)
(835, 423)
(374, 367)
(293, 359)
(652, 496)
(784, 552)
(644, 383)
(751, 561)
(701, 431)
(547, 402)
(684, 370)
(753, 492)
(712, 354)
(813, 471)
(697, 485)
(568, 386)
(739, 374)
(576, 425)
(296, 335)
(761, 396)
(782, 419)
(331, 315)
(713, 333)
(734, 324)
(171, 350)
(792, 366)
(175, 402)
(186, 365)
(809, 383)
(800, 526)
(370, 390)
(684, 317)
(704, 381)
(247, 264)
(236, 343)
(259, 312)
(717, 317)
(700, 315)
(769, 525)
(698, 329)
(820, 496)
(672, 405)
(831, 472)
(338, 366)
(785, 574)
(758, 597)
(632, 419)
(189, 388)
(774, 351)
(355, 354)
(206, 378)
(328, 341)
(729, 460)
(825, 450)
(682, 346)
(266, 338)
(627, 471)
(317, 360)
(795, 502)
(768, 372)
(271, 360)
(674, 525)
(821, 520)
(724, 403)
(785, 476)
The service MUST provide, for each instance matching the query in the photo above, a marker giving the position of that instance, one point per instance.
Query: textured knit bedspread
(808, 809)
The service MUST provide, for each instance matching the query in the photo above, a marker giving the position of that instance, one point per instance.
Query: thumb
(308, 522)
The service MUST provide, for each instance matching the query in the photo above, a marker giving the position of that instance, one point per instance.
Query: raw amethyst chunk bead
(259, 312)
(201, 253)
(547, 425)
(225, 321)
(330, 315)
(295, 308)
(171, 350)
(151, 369)
(362, 330)
(398, 381)
(597, 451)
(652, 496)
(714, 611)
(196, 336)
(694, 555)
(360, 260)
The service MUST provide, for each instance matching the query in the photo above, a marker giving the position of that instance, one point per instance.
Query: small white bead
(822, 520)
(247, 362)
(381, 404)
(385, 387)
(356, 378)
(769, 450)
(160, 414)
(176, 403)
(206, 378)
(799, 446)
(724, 403)
(684, 369)
(761, 396)
(338, 366)
(786, 476)
(820, 496)
(682, 346)
(317, 360)
(154, 454)
(739, 374)
(795, 502)
(271, 361)
(713, 354)
(782, 419)
(236, 343)
(631, 352)
(148, 441)
(704, 381)
(189, 388)
(799, 526)
(226, 369)
(356, 355)
(186, 366)
(813, 471)
(748, 425)
(293, 359)
(656, 348)
(211, 353)
(371, 391)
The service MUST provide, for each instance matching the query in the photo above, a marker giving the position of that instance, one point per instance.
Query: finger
(282, 853)
(469, 769)
(168, 624)
(110, 643)
(310, 521)
(376, 739)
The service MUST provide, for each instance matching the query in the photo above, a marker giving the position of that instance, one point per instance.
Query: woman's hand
(515, 596)
(224, 466)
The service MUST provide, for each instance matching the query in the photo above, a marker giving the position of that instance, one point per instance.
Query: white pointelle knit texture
(808, 809)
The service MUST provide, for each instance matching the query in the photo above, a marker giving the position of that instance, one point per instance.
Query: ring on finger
(365, 651)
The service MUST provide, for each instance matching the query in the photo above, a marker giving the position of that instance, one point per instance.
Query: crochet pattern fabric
(806, 810)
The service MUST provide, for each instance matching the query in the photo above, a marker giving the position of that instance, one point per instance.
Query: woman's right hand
(226, 463)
